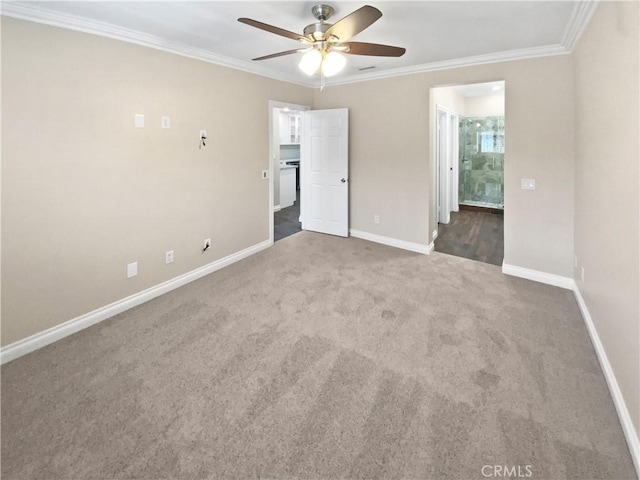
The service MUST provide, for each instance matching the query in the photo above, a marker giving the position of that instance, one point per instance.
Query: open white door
(324, 164)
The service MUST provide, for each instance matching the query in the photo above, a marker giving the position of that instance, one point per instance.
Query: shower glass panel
(481, 178)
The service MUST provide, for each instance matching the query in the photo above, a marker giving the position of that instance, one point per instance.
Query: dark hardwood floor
(475, 235)
(286, 221)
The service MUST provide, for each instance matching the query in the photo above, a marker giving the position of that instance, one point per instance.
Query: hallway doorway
(469, 144)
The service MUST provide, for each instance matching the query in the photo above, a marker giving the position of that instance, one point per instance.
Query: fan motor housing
(316, 30)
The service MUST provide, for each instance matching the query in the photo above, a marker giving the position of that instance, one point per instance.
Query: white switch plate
(203, 134)
(528, 183)
(168, 257)
(376, 219)
(132, 269)
(165, 122)
(265, 174)
(139, 121)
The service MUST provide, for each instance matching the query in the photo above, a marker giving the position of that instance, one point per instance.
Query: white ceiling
(436, 34)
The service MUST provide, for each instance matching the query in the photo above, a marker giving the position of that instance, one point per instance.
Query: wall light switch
(165, 122)
(265, 174)
(139, 121)
(132, 269)
(528, 183)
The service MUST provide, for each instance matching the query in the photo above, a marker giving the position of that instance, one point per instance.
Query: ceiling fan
(324, 43)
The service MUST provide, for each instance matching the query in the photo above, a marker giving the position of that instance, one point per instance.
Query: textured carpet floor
(322, 357)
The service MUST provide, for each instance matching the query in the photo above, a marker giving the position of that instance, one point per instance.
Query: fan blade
(354, 23)
(374, 49)
(272, 29)
(280, 54)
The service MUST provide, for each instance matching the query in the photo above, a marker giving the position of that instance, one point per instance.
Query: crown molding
(510, 55)
(582, 13)
(73, 22)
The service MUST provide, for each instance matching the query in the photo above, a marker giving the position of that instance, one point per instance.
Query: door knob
(343, 180)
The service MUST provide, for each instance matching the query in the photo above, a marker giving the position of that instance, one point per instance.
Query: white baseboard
(618, 400)
(277, 208)
(39, 340)
(630, 433)
(537, 276)
(392, 242)
(434, 234)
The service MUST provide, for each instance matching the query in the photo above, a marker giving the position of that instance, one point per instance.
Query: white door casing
(324, 163)
(454, 160)
(446, 163)
(442, 159)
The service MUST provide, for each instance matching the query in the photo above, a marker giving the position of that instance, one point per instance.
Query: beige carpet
(322, 357)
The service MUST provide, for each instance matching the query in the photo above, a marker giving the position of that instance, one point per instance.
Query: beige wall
(392, 164)
(607, 183)
(84, 193)
(484, 105)
(448, 98)
(480, 106)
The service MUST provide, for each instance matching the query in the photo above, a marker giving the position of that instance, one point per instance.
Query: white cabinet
(289, 128)
(287, 187)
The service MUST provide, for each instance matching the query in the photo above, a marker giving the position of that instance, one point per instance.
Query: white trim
(537, 276)
(434, 235)
(582, 13)
(39, 340)
(618, 400)
(630, 433)
(45, 16)
(277, 208)
(510, 55)
(392, 242)
(580, 17)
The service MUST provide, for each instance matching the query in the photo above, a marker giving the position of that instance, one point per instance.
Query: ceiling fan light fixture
(333, 63)
(310, 62)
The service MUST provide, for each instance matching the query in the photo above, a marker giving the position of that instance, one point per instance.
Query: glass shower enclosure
(481, 162)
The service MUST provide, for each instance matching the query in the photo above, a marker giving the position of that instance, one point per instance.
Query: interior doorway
(469, 157)
(285, 127)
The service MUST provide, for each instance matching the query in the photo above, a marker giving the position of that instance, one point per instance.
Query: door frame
(446, 163)
(454, 159)
(274, 151)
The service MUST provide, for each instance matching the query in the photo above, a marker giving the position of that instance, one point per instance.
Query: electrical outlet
(207, 244)
(168, 257)
(165, 122)
(582, 273)
(132, 269)
(376, 219)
